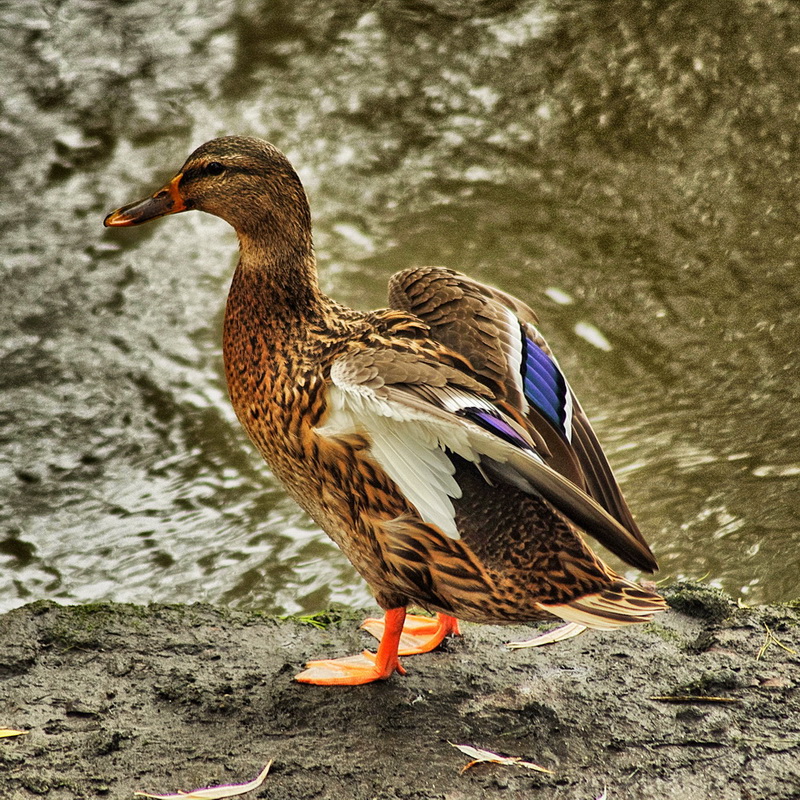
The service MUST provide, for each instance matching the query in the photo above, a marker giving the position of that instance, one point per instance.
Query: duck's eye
(214, 168)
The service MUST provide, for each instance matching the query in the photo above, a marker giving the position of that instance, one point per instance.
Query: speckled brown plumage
(323, 391)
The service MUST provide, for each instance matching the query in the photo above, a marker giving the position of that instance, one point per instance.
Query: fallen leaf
(550, 637)
(214, 792)
(4, 732)
(775, 683)
(479, 756)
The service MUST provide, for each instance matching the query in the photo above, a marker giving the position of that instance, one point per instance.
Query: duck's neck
(277, 280)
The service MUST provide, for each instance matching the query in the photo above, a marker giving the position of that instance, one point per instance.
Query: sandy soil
(120, 698)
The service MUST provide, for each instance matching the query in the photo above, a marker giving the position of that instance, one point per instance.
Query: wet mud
(121, 698)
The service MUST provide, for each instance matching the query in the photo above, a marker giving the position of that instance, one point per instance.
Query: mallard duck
(436, 441)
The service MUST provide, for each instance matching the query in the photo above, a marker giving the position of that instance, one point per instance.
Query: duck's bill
(165, 201)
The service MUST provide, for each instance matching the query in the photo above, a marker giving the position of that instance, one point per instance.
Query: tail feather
(623, 603)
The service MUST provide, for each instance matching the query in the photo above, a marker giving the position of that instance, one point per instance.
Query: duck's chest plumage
(278, 373)
(278, 393)
(276, 366)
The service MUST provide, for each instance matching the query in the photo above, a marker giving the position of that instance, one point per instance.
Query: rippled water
(627, 168)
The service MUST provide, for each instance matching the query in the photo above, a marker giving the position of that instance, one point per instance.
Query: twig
(694, 698)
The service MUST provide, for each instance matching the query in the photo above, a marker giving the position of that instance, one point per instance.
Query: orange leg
(420, 634)
(363, 668)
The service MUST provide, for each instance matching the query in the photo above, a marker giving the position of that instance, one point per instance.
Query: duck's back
(531, 551)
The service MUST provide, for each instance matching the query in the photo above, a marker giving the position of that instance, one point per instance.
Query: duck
(436, 441)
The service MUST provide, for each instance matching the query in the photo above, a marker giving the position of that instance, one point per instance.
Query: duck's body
(436, 442)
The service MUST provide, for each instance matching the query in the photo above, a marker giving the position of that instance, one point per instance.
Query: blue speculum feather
(495, 425)
(543, 383)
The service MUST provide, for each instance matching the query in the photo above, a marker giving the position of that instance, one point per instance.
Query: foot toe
(348, 671)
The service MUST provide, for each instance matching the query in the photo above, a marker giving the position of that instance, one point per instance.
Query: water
(627, 168)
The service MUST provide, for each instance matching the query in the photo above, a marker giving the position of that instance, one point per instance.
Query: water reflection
(625, 167)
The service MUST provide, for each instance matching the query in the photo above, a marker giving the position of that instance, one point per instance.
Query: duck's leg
(419, 635)
(364, 668)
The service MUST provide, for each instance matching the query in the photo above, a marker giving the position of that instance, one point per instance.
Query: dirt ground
(122, 698)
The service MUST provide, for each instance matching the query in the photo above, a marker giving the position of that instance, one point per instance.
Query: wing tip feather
(621, 604)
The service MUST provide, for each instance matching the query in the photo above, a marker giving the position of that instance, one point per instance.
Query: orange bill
(165, 201)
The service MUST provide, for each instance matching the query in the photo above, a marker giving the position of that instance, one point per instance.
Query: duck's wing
(497, 334)
(419, 408)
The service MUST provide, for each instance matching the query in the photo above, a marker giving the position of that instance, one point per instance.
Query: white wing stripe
(406, 445)
(514, 356)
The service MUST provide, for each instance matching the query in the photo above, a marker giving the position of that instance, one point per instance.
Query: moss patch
(322, 620)
(699, 600)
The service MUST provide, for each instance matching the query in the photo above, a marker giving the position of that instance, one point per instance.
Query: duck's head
(245, 181)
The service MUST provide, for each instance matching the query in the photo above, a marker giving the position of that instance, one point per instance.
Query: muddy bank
(120, 698)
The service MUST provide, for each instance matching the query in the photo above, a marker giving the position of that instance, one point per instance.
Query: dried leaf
(214, 792)
(550, 637)
(4, 732)
(479, 756)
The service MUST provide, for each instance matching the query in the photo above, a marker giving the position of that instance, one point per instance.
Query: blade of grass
(694, 698)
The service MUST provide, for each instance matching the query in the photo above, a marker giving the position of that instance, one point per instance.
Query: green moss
(699, 600)
(87, 626)
(44, 783)
(36, 784)
(39, 607)
(329, 616)
(712, 683)
(667, 634)
(791, 617)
